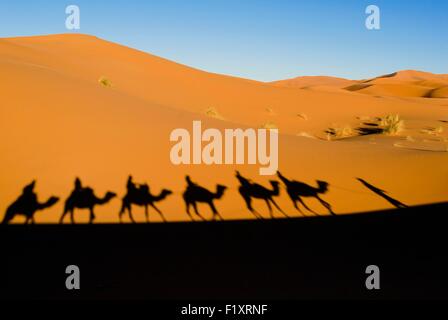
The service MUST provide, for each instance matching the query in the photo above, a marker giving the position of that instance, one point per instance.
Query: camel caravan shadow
(298, 190)
(249, 190)
(196, 194)
(84, 198)
(81, 197)
(141, 196)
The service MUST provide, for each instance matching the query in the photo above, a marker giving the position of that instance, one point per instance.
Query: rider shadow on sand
(84, 198)
(140, 195)
(298, 190)
(196, 194)
(27, 205)
(249, 190)
(383, 194)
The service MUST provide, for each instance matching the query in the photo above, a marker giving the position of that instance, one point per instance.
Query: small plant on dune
(433, 131)
(105, 82)
(364, 118)
(213, 113)
(438, 130)
(339, 132)
(269, 125)
(305, 135)
(270, 111)
(391, 124)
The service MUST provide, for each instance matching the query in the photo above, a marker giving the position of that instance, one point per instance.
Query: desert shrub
(105, 82)
(433, 131)
(270, 111)
(391, 124)
(364, 118)
(213, 113)
(438, 130)
(339, 132)
(305, 135)
(269, 125)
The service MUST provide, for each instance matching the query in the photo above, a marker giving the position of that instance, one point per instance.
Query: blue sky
(257, 39)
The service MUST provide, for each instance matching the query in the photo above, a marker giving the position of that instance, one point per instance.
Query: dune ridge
(406, 83)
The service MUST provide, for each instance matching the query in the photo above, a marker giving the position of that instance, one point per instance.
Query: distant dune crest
(407, 83)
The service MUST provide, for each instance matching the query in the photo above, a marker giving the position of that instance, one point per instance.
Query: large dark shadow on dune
(298, 258)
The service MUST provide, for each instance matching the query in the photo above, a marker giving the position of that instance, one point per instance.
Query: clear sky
(258, 39)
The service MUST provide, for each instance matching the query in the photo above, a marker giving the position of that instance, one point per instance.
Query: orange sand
(58, 122)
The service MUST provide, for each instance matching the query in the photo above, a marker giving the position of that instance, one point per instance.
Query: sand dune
(441, 92)
(57, 121)
(408, 83)
(413, 75)
(394, 90)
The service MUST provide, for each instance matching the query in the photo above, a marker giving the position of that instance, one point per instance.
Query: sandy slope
(57, 122)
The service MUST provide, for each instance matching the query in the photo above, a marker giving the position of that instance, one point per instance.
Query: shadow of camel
(27, 205)
(382, 194)
(195, 193)
(140, 195)
(84, 198)
(249, 190)
(298, 190)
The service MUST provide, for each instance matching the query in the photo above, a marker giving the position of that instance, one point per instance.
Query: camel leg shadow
(159, 212)
(195, 207)
(248, 201)
(146, 214)
(131, 217)
(61, 219)
(294, 202)
(326, 205)
(188, 205)
(92, 216)
(128, 208)
(215, 212)
(305, 206)
(278, 207)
